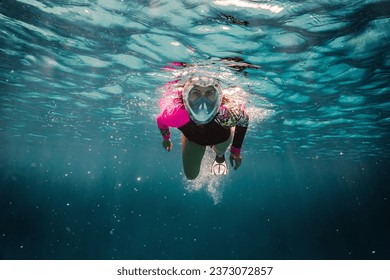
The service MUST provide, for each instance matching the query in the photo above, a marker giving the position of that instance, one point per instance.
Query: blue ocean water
(82, 171)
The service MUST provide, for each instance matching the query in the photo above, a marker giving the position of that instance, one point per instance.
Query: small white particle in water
(373, 252)
(68, 204)
(138, 178)
(21, 246)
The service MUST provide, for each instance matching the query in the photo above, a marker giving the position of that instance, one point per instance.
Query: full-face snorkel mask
(202, 105)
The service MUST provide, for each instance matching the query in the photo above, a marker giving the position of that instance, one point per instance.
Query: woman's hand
(167, 144)
(235, 160)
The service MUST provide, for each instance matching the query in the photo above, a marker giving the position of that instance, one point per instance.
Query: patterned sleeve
(231, 115)
(234, 115)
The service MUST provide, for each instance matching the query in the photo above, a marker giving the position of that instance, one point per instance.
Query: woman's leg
(220, 148)
(192, 154)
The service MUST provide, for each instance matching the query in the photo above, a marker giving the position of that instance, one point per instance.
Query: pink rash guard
(177, 118)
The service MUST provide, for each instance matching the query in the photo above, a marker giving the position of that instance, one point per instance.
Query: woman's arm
(173, 118)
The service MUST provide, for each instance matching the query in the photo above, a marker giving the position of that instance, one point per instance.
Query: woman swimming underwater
(206, 117)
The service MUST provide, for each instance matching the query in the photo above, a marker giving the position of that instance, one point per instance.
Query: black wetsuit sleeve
(239, 135)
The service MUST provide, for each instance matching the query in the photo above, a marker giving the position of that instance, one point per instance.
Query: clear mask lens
(201, 103)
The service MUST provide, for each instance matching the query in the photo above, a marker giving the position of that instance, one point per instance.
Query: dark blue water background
(82, 171)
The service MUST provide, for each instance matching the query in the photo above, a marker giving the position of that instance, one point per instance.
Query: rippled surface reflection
(75, 69)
